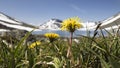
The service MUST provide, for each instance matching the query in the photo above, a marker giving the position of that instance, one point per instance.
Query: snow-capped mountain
(9, 23)
(113, 21)
(52, 24)
(88, 24)
(55, 24)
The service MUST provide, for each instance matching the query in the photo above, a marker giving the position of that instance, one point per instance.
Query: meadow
(53, 51)
(87, 52)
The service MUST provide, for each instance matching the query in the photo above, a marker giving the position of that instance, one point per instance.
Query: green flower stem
(69, 52)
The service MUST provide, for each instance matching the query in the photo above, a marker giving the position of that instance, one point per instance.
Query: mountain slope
(9, 23)
(113, 21)
(52, 24)
(55, 24)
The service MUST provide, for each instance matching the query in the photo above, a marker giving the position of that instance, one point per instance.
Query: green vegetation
(89, 52)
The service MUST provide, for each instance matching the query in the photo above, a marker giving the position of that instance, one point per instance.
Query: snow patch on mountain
(8, 23)
(3, 30)
(88, 24)
(52, 24)
(6, 18)
(17, 26)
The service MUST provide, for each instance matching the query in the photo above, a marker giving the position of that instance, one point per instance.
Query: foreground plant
(34, 44)
(70, 25)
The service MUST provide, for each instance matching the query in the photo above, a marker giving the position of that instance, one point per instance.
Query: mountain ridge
(10, 23)
(51, 24)
(55, 24)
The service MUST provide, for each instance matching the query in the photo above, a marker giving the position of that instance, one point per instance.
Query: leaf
(102, 60)
(57, 63)
(17, 50)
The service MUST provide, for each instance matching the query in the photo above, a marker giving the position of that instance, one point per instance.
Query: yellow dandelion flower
(34, 44)
(71, 24)
(51, 36)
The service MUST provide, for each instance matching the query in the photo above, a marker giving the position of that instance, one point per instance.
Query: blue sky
(38, 11)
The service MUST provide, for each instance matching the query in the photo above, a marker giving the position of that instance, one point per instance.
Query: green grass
(89, 52)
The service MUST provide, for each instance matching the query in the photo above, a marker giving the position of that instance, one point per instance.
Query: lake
(67, 34)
